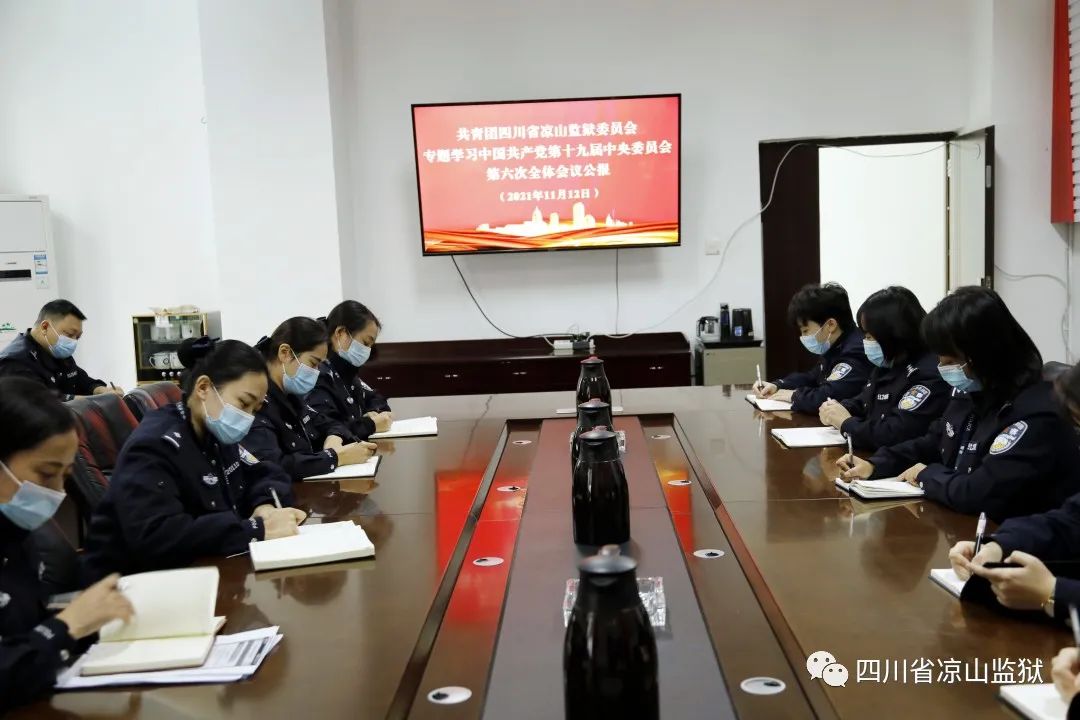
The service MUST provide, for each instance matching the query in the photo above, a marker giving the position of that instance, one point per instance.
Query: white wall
(271, 160)
(882, 211)
(101, 109)
(748, 72)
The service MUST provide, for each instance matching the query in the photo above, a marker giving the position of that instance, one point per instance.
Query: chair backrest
(145, 398)
(1054, 369)
(103, 423)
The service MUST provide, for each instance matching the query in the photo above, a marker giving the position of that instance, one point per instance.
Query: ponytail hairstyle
(30, 414)
(302, 334)
(222, 361)
(352, 316)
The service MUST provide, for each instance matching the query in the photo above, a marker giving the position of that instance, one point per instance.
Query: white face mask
(32, 505)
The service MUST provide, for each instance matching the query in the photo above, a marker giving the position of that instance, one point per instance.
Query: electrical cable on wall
(1068, 299)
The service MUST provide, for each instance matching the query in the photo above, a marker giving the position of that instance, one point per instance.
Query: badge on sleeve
(1008, 437)
(247, 457)
(839, 372)
(914, 397)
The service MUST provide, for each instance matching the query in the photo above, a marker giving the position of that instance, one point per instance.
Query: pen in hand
(277, 500)
(758, 384)
(980, 529)
(1074, 620)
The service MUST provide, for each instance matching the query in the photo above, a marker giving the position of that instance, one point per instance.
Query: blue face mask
(955, 376)
(811, 343)
(357, 354)
(32, 505)
(231, 426)
(303, 381)
(874, 353)
(64, 346)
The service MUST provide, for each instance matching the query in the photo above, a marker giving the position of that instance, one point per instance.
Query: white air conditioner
(27, 262)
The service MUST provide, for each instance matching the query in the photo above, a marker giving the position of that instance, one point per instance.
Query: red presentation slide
(548, 175)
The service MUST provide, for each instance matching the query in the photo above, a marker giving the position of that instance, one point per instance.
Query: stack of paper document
(809, 437)
(948, 580)
(365, 469)
(1035, 702)
(767, 405)
(884, 489)
(316, 544)
(413, 427)
(173, 625)
(232, 658)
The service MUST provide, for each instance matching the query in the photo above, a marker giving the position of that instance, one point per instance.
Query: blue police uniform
(1050, 536)
(341, 395)
(840, 374)
(25, 358)
(174, 498)
(33, 645)
(289, 433)
(1016, 459)
(897, 404)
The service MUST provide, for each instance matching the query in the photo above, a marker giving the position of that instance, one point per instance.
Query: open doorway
(870, 212)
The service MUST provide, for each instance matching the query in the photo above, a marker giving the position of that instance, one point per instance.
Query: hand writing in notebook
(382, 420)
(279, 522)
(833, 413)
(782, 395)
(765, 389)
(1065, 669)
(962, 556)
(911, 475)
(95, 607)
(854, 468)
(1027, 587)
(355, 453)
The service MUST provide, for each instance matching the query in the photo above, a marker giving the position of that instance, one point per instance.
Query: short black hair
(222, 361)
(57, 309)
(818, 303)
(300, 333)
(974, 323)
(351, 315)
(30, 414)
(894, 317)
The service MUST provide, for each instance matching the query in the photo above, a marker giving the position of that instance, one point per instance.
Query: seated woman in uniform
(1053, 536)
(1002, 446)
(184, 487)
(287, 432)
(905, 392)
(822, 313)
(340, 394)
(37, 450)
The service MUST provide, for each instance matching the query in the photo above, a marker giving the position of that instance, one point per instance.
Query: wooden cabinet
(480, 367)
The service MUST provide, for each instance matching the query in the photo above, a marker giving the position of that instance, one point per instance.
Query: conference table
(474, 549)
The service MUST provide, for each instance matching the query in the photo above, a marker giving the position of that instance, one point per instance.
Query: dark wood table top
(805, 569)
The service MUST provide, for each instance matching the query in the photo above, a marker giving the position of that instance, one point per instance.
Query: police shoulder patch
(839, 371)
(247, 457)
(914, 397)
(1008, 438)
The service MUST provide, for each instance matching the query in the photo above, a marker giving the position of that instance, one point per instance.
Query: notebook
(413, 427)
(767, 405)
(365, 469)
(884, 489)
(809, 437)
(173, 625)
(947, 579)
(1035, 702)
(314, 545)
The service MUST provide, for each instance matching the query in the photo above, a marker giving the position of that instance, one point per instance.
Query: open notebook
(809, 437)
(345, 472)
(767, 405)
(1035, 702)
(316, 544)
(173, 626)
(948, 580)
(884, 489)
(413, 427)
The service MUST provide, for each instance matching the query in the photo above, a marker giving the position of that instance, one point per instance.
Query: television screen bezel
(420, 202)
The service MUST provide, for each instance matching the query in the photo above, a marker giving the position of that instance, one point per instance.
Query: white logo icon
(835, 675)
(817, 662)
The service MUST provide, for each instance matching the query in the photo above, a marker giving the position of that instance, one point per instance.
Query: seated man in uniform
(827, 328)
(43, 353)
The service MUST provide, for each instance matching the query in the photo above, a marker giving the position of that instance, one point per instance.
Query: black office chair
(146, 398)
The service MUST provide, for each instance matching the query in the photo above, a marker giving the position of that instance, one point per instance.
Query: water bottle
(600, 498)
(593, 383)
(609, 655)
(592, 414)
